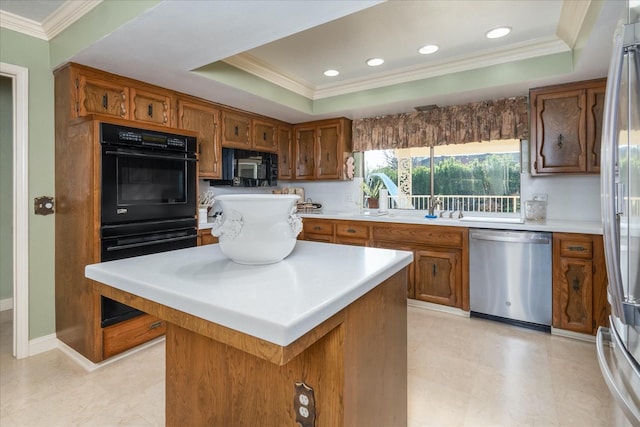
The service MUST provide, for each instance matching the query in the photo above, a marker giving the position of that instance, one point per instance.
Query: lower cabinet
(128, 334)
(439, 272)
(438, 276)
(579, 283)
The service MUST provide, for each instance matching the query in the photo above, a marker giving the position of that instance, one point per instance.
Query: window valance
(480, 121)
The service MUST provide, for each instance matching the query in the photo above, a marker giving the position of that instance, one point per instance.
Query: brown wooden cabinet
(566, 127)
(579, 283)
(151, 107)
(441, 260)
(125, 335)
(236, 130)
(321, 148)
(285, 153)
(203, 118)
(439, 273)
(438, 276)
(265, 134)
(206, 238)
(96, 95)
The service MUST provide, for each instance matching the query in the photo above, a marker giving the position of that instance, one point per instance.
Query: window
(474, 177)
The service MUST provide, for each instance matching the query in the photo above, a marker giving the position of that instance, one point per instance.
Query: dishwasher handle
(502, 236)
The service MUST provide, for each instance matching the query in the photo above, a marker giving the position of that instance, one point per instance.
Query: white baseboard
(574, 335)
(89, 366)
(42, 344)
(437, 307)
(6, 304)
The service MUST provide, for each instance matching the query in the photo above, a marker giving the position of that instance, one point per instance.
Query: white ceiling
(289, 43)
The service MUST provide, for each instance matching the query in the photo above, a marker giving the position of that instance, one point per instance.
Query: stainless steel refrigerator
(619, 345)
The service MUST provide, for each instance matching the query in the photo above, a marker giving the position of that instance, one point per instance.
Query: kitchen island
(241, 340)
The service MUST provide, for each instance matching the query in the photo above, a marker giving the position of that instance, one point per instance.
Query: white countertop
(277, 302)
(470, 221)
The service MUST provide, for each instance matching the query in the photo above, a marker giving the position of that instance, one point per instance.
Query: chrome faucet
(433, 203)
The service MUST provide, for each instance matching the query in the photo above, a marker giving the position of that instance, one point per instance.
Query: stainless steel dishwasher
(510, 276)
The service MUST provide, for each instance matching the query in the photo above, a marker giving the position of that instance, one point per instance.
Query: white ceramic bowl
(257, 228)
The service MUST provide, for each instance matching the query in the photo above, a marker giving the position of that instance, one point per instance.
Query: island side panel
(213, 384)
(376, 356)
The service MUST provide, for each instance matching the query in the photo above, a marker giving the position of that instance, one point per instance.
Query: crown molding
(22, 25)
(253, 65)
(515, 52)
(572, 16)
(66, 15)
(54, 24)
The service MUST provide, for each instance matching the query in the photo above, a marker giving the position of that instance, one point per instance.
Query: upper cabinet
(151, 106)
(265, 134)
(566, 127)
(94, 95)
(203, 118)
(285, 153)
(236, 130)
(321, 149)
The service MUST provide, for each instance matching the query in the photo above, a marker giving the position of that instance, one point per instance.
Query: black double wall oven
(148, 198)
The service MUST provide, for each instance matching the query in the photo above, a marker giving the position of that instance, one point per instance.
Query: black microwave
(246, 168)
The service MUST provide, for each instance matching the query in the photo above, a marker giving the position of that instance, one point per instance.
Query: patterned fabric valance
(481, 121)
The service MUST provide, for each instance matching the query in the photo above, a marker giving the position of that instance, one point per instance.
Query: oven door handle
(149, 243)
(124, 153)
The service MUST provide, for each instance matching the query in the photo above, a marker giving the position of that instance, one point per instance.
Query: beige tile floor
(462, 372)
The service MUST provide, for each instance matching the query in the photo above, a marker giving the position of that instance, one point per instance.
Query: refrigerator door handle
(609, 175)
(630, 410)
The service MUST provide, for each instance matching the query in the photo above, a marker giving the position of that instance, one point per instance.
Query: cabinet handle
(327, 157)
(317, 227)
(560, 141)
(150, 110)
(105, 101)
(305, 159)
(236, 131)
(264, 136)
(284, 159)
(350, 230)
(155, 325)
(577, 248)
(434, 270)
(576, 284)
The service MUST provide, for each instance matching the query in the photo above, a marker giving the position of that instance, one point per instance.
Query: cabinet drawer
(317, 227)
(351, 230)
(128, 334)
(424, 234)
(576, 248)
(150, 107)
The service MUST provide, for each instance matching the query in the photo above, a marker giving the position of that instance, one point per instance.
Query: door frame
(20, 89)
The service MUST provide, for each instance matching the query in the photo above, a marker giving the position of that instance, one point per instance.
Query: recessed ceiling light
(428, 49)
(331, 73)
(498, 32)
(374, 62)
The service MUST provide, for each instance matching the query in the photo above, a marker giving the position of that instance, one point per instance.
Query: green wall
(6, 184)
(33, 53)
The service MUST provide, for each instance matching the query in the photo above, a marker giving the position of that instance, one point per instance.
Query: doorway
(19, 77)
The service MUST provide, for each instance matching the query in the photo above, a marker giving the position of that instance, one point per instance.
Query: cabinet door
(285, 165)
(204, 120)
(305, 153)
(559, 131)
(411, 291)
(438, 276)
(235, 130)
(96, 96)
(264, 136)
(573, 295)
(151, 107)
(352, 233)
(595, 114)
(329, 154)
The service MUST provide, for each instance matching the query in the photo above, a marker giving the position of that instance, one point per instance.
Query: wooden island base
(355, 362)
